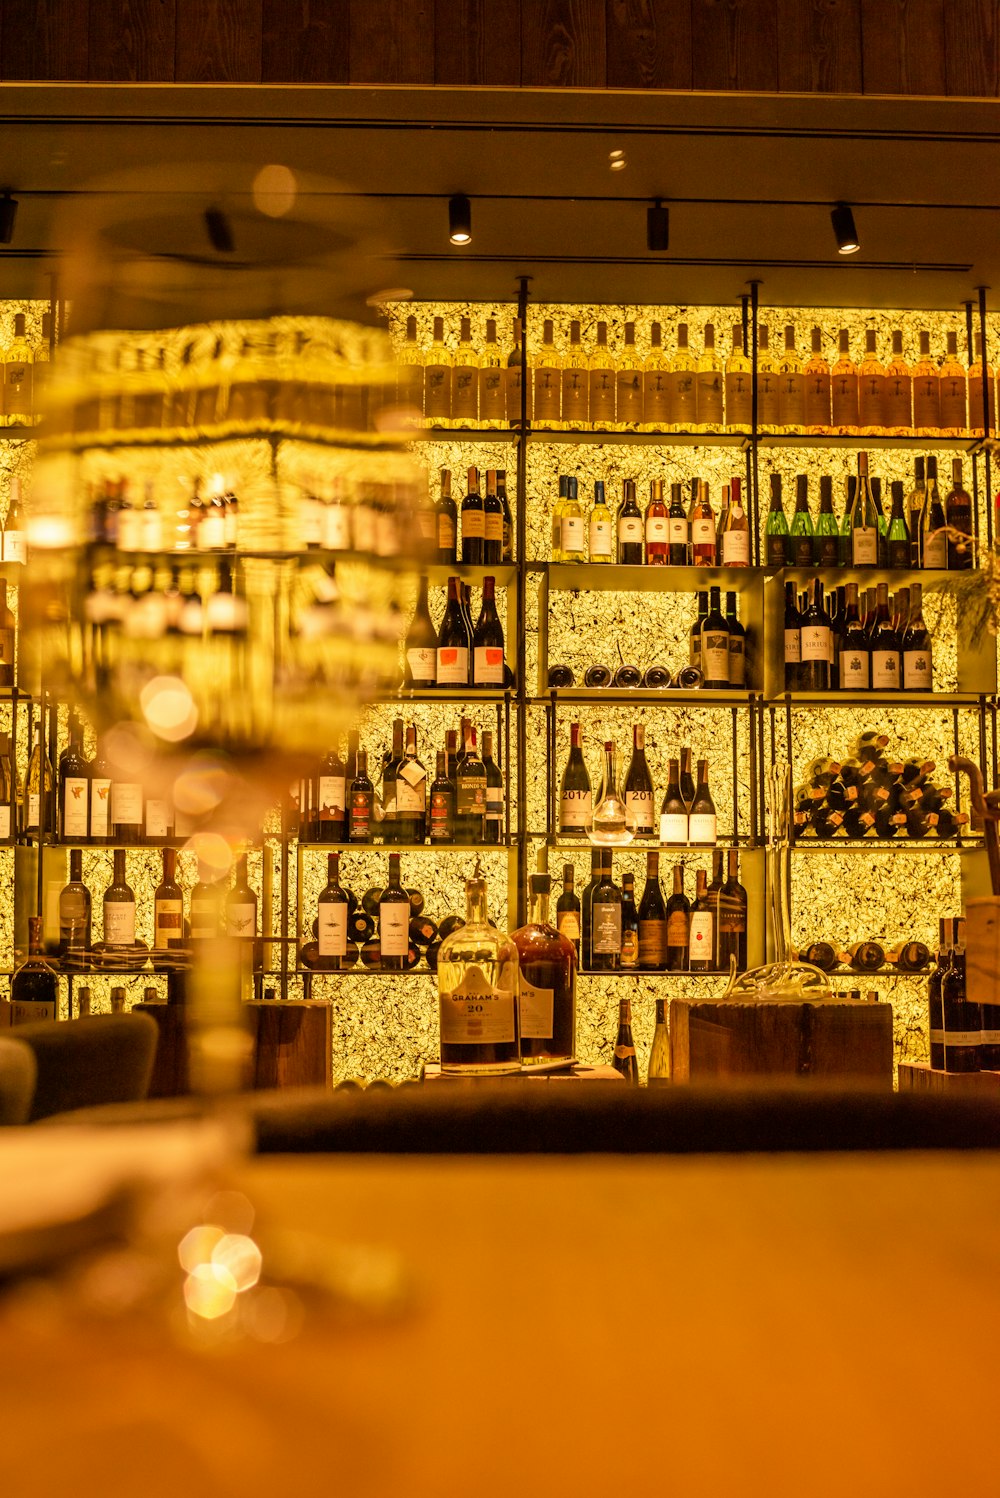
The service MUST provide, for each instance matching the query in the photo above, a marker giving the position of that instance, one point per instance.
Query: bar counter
(720, 1324)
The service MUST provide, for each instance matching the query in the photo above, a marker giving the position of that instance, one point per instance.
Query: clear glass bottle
(628, 382)
(681, 385)
(654, 383)
(926, 390)
(768, 383)
(953, 391)
(575, 382)
(709, 383)
(658, 1071)
(438, 378)
(492, 381)
(816, 381)
(791, 386)
(844, 388)
(602, 382)
(610, 817)
(602, 534)
(477, 973)
(871, 388)
(547, 984)
(898, 391)
(74, 912)
(548, 381)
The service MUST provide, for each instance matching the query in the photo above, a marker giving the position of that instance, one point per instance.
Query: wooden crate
(919, 1077)
(712, 1041)
(292, 1045)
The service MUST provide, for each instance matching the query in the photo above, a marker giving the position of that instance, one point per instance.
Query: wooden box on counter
(291, 1045)
(713, 1041)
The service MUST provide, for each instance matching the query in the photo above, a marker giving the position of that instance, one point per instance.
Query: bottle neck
(475, 903)
(540, 909)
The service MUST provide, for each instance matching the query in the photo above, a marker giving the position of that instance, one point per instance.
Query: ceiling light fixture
(219, 231)
(460, 219)
(8, 217)
(657, 226)
(846, 234)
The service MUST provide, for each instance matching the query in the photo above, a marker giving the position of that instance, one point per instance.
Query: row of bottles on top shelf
(870, 796)
(687, 814)
(577, 387)
(464, 803)
(964, 1033)
(920, 530)
(850, 643)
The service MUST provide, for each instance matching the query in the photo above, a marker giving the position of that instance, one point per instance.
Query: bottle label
(465, 406)
(715, 655)
(678, 923)
(157, 817)
(936, 549)
(602, 396)
(241, 919)
(735, 548)
(492, 392)
(657, 528)
(411, 789)
(864, 546)
(493, 526)
(442, 811)
(487, 666)
(600, 538)
(606, 928)
(75, 809)
(576, 809)
(677, 530)
(652, 941)
(571, 533)
(394, 927)
(956, 1038)
(34, 808)
(639, 811)
(989, 1037)
(926, 407)
(471, 797)
(4, 822)
(422, 660)
(630, 528)
(446, 533)
(335, 534)
(737, 661)
(168, 922)
(575, 392)
(548, 389)
(854, 670)
(363, 525)
(702, 532)
(27, 1012)
(332, 929)
(568, 924)
(673, 827)
(332, 793)
(629, 395)
(15, 546)
(437, 390)
(953, 412)
(126, 803)
(473, 524)
(702, 827)
(844, 392)
(100, 805)
(701, 936)
(654, 397)
(474, 1013)
(361, 813)
(119, 923)
(815, 642)
(494, 803)
(897, 405)
(535, 1006)
(917, 673)
(452, 664)
(793, 646)
(885, 670)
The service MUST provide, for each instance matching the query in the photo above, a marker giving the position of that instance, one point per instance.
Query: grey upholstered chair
(17, 1080)
(85, 1062)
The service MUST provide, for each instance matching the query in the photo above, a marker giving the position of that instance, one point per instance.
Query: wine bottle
(119, 908)
(652, 920)
(568, 910)
(473, 523)
(926, 389)
(168, 906)
(74, 787)
(601, 529)
(7, 791)
(442, 803)
(240, 905)
(575, 382)
(630, 924)
(74, 913)
(734, 529)
(702, 528)
(885, 645)
(410, 820)
(933, 522)
(702, 818)
(453, 642)
(568, 540)
(961, 1017)
(958, 515)
(816, 381)
(871, 388)
(714, 654)
(630, 529)
(330, 800)
(935, 1015)
(658, 1070)
(864, 520)
(686, 779)
(488, 641)
(493, 824)
(394, 921)
(701, 929)
(737, 645)
(548, 381)
(602, 382)
(470, 794)
(768, 382)
(898, 391)
(854, 673)
(624, 1058)
(817, 643)
(682, 410)
(606, 920)
(819, 954)
(447, 523)
(826, 536)
(918, 665)
(673, 811)
(508, 519)
(844, 388)
(801, 541)
(694, 637)
(739, 385)
(477, 994)
(732, 914)
(909, 957)
(36, 801)
(898, 538)
(438, 373)
(15, 541)
(360, 803)
(126, 811)
(639, 812)
(7, 637)
(586, 906)
(792, 640)
(791, 386)
(656, 527)
(420, 649)
(864, 956)
(546, 982)
(332, 917)
(34, 988)
(576, 801)
(678, 536)
(678, 927)
(776, 541)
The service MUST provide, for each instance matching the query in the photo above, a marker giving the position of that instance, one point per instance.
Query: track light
(843, 227)
(460, 219)
(219, 231)
(8, 218)
(657, 226)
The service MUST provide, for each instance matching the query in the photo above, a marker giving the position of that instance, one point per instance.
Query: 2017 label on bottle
(75, 807)
(394, 927)
(630, 528)
(854, 672)
(452, 664)
(600, 538)
(701, 936)
(571, 533)
(639, 810)
(241, 919)
(701, 827)
(535, 1010)
(815, 644)
(332, 930)
(885, 670)
(126, 803)
(487, 666)
(476, 1013)
(917, 673)
(673, 827)
(100, 807)
(864, 546)
(606, 929)
(119, 923)
(576, 809)
(735, 548)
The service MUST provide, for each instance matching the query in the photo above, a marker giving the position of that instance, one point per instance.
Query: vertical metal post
(754, 435)
(987, 475)
(752, 731)
(521, 594)
(285, 882)
(736, 769)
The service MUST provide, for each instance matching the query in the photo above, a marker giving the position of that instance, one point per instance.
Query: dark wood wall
(827, 46)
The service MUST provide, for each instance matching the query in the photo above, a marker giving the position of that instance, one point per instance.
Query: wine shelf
(611, 436)
(627, 696)
(907, 845)
(503, 846)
